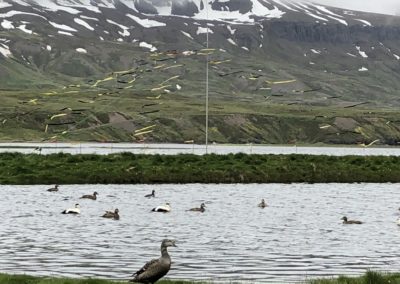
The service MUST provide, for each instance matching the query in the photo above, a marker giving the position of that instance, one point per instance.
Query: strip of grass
(26, 279)
(127, 168)
(370, 277)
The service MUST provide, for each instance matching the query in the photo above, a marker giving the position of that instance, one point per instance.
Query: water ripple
(299, 236)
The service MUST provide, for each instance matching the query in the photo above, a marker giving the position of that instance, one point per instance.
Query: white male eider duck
(53, 189)
(262, 204)
(75, 210)
(162, 208)
(346, 221)
(90, 196)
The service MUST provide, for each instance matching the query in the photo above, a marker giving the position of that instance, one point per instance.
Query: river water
(172, 149)
(299, 236)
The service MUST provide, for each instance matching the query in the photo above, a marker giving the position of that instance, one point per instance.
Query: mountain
(134, 70)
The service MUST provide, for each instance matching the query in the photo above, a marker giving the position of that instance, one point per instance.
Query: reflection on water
(172, 149)
(298, 236)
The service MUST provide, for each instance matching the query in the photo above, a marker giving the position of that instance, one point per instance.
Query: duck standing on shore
(112, 215)
(90, 196)
(346, 221)
(75, 210)
(152, 194)
(162, 208)
(155, 269)
(201, 209)
(53, 189)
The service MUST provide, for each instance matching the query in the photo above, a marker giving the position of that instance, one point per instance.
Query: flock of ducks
(155, 269)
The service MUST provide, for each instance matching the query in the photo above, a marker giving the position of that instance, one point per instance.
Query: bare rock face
(243, 6)
(184, 8)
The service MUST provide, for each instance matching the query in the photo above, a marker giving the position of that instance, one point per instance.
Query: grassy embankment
(128, 168)
(369, 278)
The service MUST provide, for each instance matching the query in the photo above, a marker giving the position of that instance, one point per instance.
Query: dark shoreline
(127, 168)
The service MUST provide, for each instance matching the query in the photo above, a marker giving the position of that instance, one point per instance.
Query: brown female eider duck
(53, 189)
(112, 215)
(201, 209)
(346, 221)
(262, 204)
(155, 269)
(91, 196)
(152, 194)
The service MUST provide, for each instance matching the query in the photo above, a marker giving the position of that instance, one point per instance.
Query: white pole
(206, 1)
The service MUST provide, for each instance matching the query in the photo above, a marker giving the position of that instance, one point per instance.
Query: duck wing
(145, 267)
(152, 271)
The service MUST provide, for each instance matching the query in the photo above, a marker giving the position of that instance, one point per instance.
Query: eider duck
(152, 194)
(262, 204)
(153, 270)
(53, 189)
(91, 196)
(162, 208)
(113, 215)
(201, 209)
(346, 221)
(75, 210)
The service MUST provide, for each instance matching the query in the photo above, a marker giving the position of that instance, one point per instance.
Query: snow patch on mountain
(81, 50)
(187, 34)
(362, 53)
(364, 22)
(24, 29)
(5, 50)
(148, 46)
(201, 30)
(83, 23)
(124, 29)
(7, 25)
(62, 27)
(146, 23)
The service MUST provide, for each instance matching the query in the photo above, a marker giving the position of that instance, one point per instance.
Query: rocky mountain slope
(132, 70)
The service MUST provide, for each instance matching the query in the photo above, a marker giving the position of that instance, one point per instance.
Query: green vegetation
(26, 279)
(127, 168)
(369, 278)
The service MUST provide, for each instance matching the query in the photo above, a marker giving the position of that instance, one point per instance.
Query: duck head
(77, 205)
(168, 243)
(344, 218)
(95, 193)
(202, 206)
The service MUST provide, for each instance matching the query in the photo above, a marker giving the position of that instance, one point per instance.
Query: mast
(206, 6)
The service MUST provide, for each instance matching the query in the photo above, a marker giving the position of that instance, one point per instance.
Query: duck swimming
(262, 204)
(155, 269)
(90, 196)
(152, 194)
(112, 215)
(162, 208)
(75, 210)
(346, 221)
(53, 189)
(201, 209)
